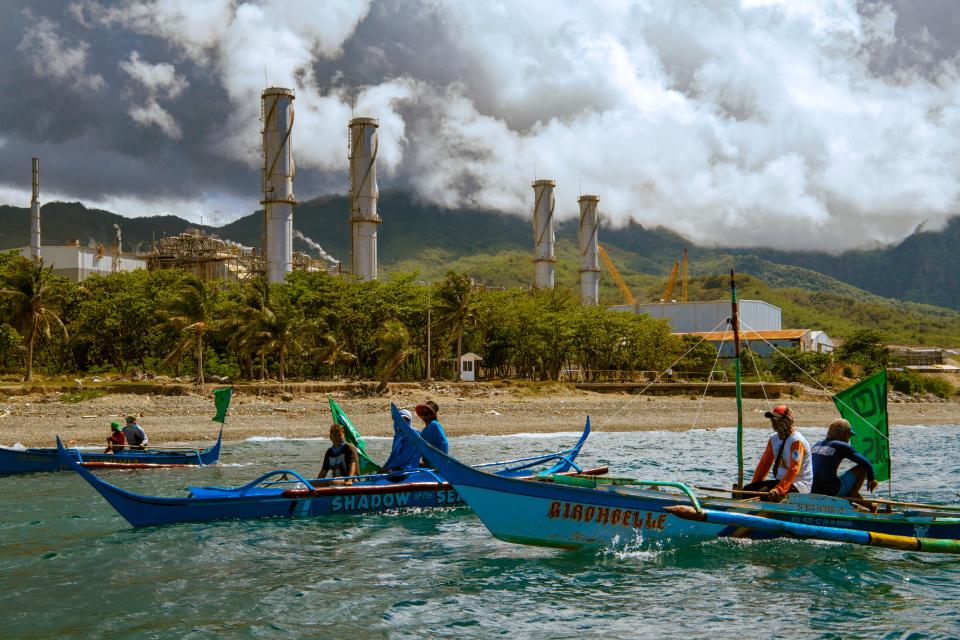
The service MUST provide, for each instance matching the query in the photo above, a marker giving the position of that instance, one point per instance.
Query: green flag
(350, 433)
(221, 399)
(864, 405)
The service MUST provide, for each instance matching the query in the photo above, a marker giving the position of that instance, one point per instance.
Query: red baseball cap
(778, 411)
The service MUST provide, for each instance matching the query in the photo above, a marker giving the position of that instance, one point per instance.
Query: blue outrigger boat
(13, 461)
(577, 512)
(38, 459)
(285, 493)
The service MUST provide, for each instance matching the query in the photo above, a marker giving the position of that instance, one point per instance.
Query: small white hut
(468, 366)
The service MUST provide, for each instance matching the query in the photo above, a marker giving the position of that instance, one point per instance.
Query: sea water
(70, 567)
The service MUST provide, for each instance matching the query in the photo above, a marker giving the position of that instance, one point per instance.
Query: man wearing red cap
(788, 453)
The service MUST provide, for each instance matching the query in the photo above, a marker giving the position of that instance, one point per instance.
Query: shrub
(937, 386)
(905, 382)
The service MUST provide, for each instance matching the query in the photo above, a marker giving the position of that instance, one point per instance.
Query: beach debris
(493, 412)
(286, 396)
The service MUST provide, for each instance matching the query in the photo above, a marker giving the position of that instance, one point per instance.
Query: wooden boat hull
(417, 490)
(14, 461)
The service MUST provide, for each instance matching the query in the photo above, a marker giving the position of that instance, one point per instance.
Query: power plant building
(698, 317)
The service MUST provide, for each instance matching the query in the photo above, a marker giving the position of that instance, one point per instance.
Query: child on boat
(116, 441)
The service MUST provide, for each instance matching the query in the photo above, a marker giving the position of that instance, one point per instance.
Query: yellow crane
(617, 279)
(684, 278)
(670, 282)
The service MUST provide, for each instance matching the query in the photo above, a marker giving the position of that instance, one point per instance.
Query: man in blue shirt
(134, 434)
(433, 431)
(827, 456)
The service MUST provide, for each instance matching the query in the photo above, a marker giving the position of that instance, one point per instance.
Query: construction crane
(670, 282)
(684, 278)
(617, 279)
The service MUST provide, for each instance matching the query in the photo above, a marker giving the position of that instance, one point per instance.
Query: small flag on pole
(350, 433)
(221, 399)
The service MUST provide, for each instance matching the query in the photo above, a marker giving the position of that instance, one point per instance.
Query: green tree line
(315, 326)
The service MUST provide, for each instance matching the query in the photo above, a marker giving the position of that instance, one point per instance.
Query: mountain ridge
(415, 234)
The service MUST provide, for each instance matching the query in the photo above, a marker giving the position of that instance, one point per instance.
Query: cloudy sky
(793, 124)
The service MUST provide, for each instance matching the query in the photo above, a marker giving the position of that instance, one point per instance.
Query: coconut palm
(189, 310)
(331, 352)
(276, 329)
(456, 311)
(393, 349)
(28, 292)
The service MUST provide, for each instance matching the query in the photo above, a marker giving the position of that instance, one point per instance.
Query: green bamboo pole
(735, 321)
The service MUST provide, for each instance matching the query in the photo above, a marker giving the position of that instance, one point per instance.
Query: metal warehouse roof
(782, 334)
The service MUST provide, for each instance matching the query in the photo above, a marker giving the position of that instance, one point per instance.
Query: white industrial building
(697, 317)
(79, 263)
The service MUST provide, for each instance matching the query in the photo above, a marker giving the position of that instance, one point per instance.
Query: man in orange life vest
(788, 453)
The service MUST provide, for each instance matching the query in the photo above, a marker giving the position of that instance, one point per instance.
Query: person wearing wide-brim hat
(788, 454)
(432, 431)
(116, 441)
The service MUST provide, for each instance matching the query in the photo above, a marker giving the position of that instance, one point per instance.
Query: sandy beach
(33, 420)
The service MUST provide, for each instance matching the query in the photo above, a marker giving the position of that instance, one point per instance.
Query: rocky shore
(34, 419)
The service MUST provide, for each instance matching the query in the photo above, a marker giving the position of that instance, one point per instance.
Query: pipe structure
(35, 213)
(589, 251)
(363, 198)
(544, 262)
(278, 172)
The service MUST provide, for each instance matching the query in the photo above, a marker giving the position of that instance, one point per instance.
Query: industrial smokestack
(589, 254)
(363, 197)
(116, 249)
(35, 213)
(278, 171)
(544, 261)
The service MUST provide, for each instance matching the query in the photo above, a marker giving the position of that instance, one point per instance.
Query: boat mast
(735, 321)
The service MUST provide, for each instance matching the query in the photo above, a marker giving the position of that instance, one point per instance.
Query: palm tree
(189, 311)
(457, 310)
(241, 322)
(27, 288)
(393, 347)
(331, 352)
(277, 329)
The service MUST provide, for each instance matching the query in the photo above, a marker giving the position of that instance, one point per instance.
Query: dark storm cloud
(720, 119)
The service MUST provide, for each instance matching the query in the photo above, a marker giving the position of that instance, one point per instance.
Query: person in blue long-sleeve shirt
(827, 456)
(433, 431)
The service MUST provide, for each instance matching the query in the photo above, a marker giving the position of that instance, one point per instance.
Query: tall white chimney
(278, 171)
(35, 213)
(363, 197)
(544, 262)
(589, 255)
